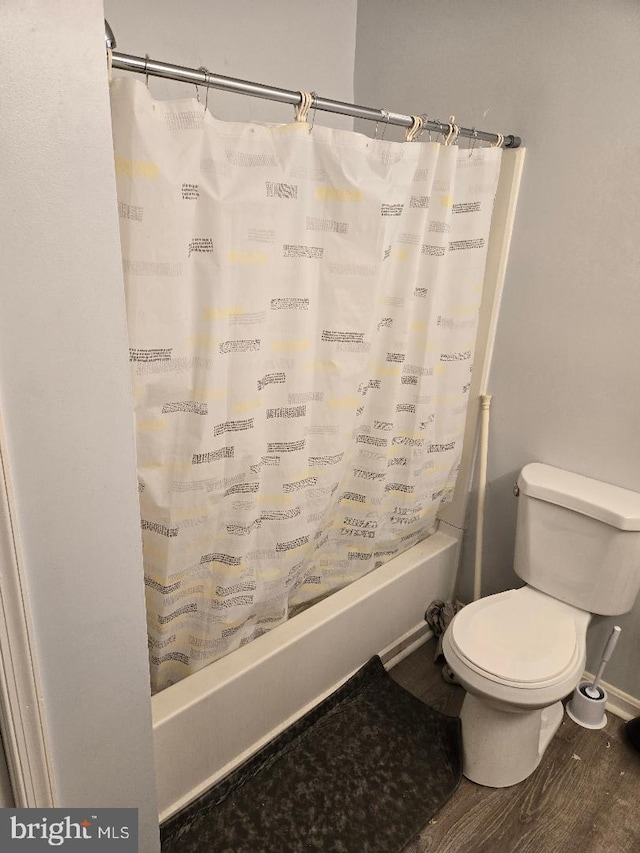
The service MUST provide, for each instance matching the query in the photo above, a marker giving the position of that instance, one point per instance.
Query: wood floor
(583, 798)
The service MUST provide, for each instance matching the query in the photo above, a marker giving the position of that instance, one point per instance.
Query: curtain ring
(425, 119)
(205, 71)
(474, 137)
(109, 65)
(416, 127)
(314, 106)
(498, 142)
(146, 72)
(302, 109)
(385, 118)
(454, 131)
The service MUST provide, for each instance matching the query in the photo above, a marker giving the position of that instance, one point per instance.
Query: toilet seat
(520, 638)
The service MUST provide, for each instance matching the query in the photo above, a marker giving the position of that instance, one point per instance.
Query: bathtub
(207, 724)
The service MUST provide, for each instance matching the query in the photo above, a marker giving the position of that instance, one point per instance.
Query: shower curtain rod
(202, 77)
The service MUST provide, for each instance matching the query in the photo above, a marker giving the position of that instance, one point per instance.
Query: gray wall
(565, 381)
(309, 44)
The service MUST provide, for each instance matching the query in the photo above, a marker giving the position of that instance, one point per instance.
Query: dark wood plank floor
(583, 798)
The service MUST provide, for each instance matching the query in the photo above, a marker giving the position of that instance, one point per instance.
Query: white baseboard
(406, 645)
(619, 703)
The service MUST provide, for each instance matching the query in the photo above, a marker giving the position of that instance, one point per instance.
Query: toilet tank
(578, 539)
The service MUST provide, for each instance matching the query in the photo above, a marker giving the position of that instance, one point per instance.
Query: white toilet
(518, 653)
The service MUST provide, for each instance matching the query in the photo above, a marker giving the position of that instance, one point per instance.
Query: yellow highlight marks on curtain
(401, 255)
(172, 465)
(247, 405)
(338, 194)
(151, 426)
(293, 346)
(344, 402)
(136, 168)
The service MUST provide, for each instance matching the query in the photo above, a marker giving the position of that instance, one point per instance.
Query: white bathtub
(209, 723)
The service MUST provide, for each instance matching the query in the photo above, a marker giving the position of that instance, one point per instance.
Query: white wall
(565, 77)
(306, 44)
(66, 406)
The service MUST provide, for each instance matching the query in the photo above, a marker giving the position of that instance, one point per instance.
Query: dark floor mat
(362, 772)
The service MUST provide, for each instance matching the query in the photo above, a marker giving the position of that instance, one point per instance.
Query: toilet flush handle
(516, 490)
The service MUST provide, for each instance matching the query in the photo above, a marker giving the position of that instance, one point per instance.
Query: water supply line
(485, 405)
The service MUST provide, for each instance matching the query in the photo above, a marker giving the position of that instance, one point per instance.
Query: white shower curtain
(302, 306)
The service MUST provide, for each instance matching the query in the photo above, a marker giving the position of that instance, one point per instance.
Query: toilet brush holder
(588, 710)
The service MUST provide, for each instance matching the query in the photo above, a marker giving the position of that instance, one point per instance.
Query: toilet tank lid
(612, 504)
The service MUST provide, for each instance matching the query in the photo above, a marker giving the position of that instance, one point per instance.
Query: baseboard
(406, 645)
(619, 703)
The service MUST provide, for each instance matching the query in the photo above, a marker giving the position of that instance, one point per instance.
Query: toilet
(520, 652)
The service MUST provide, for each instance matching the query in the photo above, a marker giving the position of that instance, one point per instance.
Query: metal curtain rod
(202, 77)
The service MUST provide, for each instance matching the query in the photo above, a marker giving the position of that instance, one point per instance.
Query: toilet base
(501, 748)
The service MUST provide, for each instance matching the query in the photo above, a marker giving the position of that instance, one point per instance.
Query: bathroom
(564, 365)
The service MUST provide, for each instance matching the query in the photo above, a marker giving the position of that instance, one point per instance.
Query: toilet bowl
(517, 654)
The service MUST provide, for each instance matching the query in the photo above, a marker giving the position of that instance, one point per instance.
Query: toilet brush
(589, 699)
